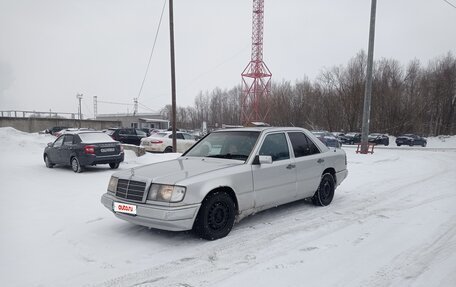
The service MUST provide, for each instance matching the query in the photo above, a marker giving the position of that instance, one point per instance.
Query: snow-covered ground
(392, 223)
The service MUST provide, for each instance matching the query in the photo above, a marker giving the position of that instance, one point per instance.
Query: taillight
(156, 141)
(89, 149)
(121, 148)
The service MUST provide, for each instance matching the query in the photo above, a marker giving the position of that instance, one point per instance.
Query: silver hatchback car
(226, 176)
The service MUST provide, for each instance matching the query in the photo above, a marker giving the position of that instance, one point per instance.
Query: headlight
(167, 193)
(112, 186)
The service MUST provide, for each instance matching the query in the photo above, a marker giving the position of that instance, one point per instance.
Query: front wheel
(48, 162)
(325, 192)
(75, 165)
(215, 217)
(114, 165)
(423, 144)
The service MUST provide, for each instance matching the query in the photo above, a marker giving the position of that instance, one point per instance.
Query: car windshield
(95, 138)
(226, 144)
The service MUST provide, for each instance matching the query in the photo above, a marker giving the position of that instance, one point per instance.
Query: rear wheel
(168, 149)
(325, 192)
(48, 162)
(75, 165)
(215, 217)
(114, 165)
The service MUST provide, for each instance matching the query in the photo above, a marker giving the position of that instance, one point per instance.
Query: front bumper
(161, 217)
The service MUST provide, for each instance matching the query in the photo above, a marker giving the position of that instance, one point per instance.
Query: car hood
(176, 170)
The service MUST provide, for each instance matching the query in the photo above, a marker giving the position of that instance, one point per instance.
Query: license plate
(111, 149)
(124, 208)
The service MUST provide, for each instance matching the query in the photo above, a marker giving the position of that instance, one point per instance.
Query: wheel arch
(228, 190)
(331, 171)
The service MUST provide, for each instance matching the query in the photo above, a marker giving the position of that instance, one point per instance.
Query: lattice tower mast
(256, 77)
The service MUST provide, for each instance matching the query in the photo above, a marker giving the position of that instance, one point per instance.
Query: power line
(152, 51)
(146, 107)
(449, 3)
(115, 103)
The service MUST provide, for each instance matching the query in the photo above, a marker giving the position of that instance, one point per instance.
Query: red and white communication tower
(256, 77)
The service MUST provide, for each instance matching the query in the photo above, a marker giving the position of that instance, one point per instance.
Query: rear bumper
(340, 176)
(94, 159)
(161, 217)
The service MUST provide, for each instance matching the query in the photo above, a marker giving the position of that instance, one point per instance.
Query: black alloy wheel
(215, 217)
(325, 192)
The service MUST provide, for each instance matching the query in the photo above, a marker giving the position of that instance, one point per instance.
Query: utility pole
(79, 97)
(173, 74)
(368, 88)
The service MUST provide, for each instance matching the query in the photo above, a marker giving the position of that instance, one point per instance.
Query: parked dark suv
(377, 139)
(83, 148)
(127, 135)
(411, 140)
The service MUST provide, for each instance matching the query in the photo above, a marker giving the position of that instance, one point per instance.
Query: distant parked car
(226, 176)
(351, 138)
(54, 130)
(163, 142)
(127, 135)
(411, 140)
(377, 139)
(327, 138)
(69, 130)
(83, 148)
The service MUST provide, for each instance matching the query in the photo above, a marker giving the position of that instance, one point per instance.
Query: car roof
(262, 129)
(77, 132)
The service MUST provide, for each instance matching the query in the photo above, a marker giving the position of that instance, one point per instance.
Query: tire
(114, 165)
(168, 149)
(398, 145)
(325, 192)
(215, 217)
(48, 162)
(423, 144)
(75, 166)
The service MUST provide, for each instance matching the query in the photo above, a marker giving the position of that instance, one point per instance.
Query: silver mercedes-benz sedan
(226, 176)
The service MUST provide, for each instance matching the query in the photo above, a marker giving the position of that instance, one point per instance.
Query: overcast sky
(50, 50)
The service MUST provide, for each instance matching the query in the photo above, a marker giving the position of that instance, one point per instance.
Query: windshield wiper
(229, 156)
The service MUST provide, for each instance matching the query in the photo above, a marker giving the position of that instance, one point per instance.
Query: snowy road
(392, 223)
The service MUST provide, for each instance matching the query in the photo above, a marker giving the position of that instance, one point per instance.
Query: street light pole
(368, 88)
(79, 97)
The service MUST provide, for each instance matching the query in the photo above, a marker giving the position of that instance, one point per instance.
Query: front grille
(130, 189)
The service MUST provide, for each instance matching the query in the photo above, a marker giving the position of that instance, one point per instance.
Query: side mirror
(49, 144)
(262, 159)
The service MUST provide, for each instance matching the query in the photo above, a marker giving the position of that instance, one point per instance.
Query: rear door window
(302, 145)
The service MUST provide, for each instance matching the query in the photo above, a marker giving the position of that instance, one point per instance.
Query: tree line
(405, 99)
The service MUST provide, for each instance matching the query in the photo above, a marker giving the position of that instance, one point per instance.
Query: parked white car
(163, 142)
(225, 177)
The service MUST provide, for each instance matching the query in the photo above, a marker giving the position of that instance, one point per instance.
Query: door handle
(290, 166)
(320, 160)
